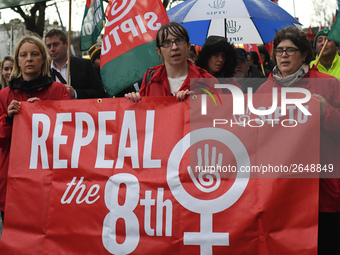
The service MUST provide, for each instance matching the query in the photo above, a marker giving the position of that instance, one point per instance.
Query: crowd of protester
(38, 71)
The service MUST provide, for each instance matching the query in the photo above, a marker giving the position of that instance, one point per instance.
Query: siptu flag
(92, 23)
(334, 34)
(129, 47)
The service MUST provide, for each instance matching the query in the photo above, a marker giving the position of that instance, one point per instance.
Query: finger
(15, 105)
(33, 99)
(138, 96)
(181, 96)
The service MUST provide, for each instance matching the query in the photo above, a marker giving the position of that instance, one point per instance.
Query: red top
(56, 91)
(330, 131)
(159, 85)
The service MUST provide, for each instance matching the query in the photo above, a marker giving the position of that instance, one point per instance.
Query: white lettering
(104, 139)
(79, 140)
(59, 139)
(128, 129)
(39, 142)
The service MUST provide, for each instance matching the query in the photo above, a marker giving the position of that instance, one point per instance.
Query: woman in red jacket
(293, 53)
(30, 81)
(173, 77)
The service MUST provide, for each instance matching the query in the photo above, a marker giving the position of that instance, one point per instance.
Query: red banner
(112, 177)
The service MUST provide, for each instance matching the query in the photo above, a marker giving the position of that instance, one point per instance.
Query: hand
(205, 177)
(133, 96)
(182, 94)
(33, 99)
(71, 90)
(323, 104)
(13, 108)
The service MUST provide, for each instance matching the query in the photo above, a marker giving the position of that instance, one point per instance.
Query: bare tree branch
(33, 23)
(19, 10)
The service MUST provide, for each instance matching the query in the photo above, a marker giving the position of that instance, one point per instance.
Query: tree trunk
(34, 22)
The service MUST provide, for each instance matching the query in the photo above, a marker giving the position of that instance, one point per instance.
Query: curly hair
(215, 44)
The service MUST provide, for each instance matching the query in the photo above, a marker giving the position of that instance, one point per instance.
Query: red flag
(309, 30)
(253, 47)
(129, 47)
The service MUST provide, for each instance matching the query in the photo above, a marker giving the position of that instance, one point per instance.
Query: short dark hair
(172, 28)
(57, 32)
(298, 37)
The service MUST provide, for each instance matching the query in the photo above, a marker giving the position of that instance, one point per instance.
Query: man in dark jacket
(84, 81)
(247, 75)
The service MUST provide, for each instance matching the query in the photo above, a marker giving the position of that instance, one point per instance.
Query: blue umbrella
(241, 21)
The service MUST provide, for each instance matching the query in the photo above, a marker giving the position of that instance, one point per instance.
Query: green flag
(92, 23)
(129, 46)
(334, 34)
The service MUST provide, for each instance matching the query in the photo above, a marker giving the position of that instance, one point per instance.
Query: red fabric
(330, 132)
(130, 24)
(269, 46)
(49, 215)
(159, 83)
(56, 91)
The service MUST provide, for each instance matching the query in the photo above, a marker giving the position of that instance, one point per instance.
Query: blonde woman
(30, 81)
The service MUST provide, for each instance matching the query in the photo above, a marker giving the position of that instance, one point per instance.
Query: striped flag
(129, 47)
(92, 23)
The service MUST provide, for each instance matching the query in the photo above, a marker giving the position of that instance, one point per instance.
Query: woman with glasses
(172, 78)
(293, 53)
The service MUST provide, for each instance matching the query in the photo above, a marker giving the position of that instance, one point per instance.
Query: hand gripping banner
(115, 177)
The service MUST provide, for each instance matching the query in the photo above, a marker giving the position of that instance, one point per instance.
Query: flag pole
(264, 73)
(69, 42)
(323, 48)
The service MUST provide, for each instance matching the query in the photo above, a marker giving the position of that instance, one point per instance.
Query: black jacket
(84, 79)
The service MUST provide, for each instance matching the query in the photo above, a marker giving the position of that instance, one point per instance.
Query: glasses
(290, 51)
(168, 43)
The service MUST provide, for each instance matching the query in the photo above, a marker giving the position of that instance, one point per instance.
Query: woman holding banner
(293, 53)
(173, 76)
(30, 81)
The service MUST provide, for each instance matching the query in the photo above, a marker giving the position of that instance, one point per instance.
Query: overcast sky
(303, 10)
